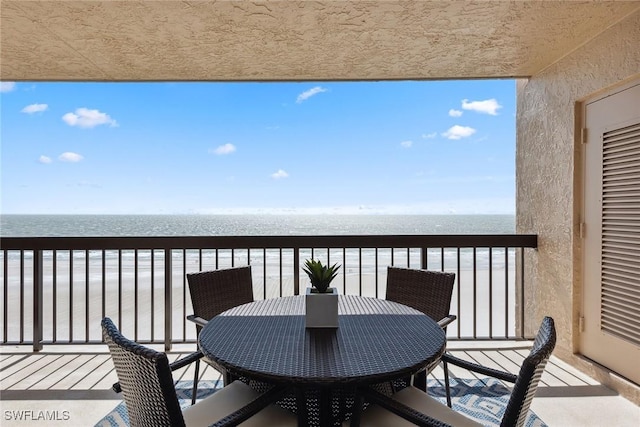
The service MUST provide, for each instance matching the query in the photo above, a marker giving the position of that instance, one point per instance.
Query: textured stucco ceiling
(286, 40)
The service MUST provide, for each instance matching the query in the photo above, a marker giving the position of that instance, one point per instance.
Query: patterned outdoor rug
(482, 400)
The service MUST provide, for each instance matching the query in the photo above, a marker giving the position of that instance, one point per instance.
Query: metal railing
(55, 290)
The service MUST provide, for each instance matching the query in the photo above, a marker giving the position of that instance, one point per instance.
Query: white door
(611, 264)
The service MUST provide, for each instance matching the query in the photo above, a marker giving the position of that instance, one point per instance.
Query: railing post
(37, 299)
(168, 305)
(521, 292)
(423, 258)
(296, 271)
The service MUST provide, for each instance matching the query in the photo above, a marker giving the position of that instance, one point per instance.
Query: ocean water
(269, 225)
(250, 225)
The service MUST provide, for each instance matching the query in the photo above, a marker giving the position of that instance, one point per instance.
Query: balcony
(56, 290)
(78, 379)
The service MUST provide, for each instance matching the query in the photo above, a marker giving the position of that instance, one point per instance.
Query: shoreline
(123, 293)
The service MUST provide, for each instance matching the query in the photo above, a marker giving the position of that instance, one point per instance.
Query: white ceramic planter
(321, 310)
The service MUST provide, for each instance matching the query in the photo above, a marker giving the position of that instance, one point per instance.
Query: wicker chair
(427, 291)
(213, 292)
(150, 396)
(411, 406)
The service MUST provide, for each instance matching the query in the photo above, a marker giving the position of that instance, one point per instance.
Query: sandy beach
(79, 304)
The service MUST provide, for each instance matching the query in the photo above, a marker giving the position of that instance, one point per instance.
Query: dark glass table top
(377, 340)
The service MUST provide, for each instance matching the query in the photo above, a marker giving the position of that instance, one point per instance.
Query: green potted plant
(320, 275)
(321, 301)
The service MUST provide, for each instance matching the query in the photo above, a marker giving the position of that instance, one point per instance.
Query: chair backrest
(529, 376)
(213, 292)
(146, 381)
(427, 291)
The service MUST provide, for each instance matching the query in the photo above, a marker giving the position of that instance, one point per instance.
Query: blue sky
(306, 147)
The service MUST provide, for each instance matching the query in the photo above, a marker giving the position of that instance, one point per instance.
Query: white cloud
(488, 106)
(459, 132)
(70, 157)
(280, 174)
(88, 184)
(45, 160)
(309, 93)
(224, 149)
(35, 108)
(85, 118)
(429, 135)
(455, 113)
(406, 144)
(7, 86)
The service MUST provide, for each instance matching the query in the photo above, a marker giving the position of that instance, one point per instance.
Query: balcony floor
(78, 379)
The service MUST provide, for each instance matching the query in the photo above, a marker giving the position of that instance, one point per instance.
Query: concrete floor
(74, 384)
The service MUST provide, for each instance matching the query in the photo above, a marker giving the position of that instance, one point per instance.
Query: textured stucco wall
(286, 40)
(548, 174)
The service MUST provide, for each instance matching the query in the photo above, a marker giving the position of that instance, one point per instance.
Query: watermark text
(31, 415)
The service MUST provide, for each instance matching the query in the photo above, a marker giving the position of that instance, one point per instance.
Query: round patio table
(376, 341)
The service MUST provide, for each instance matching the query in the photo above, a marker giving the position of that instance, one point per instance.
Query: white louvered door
(611, 264)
